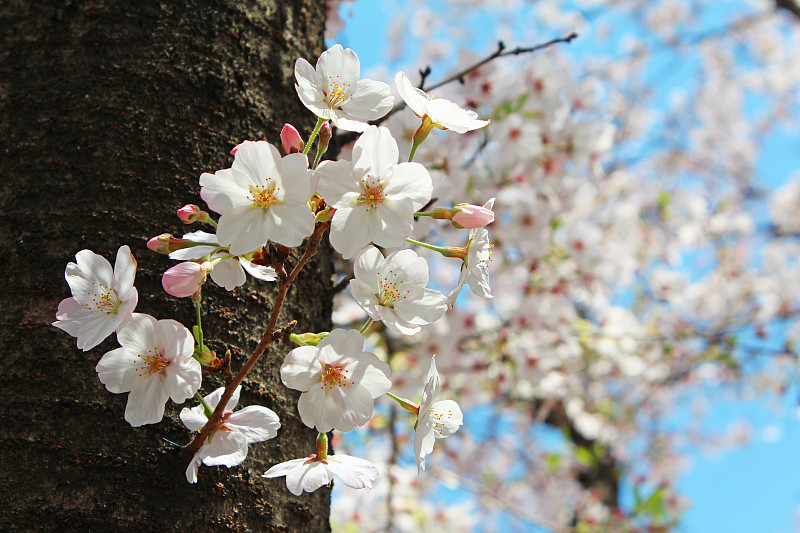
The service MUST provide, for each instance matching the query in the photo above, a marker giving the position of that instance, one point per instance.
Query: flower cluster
(266, 204)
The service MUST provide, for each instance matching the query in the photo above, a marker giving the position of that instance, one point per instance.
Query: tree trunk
(109, 112)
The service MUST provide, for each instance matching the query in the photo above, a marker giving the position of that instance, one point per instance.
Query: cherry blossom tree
(514, 254)
(639, 258)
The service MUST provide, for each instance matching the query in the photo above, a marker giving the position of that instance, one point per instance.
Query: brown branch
(342, 285)
(500, 52)
(271, 334)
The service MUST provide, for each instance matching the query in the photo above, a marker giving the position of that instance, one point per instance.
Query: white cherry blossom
(154, 363)
(261, 197)
(227, 444)
(310, 473)
(333, 91)
(443, 113)
(475, 269)
(375, 197)
(393, 290)
(102, 298)
(435, 420)
(339, 381)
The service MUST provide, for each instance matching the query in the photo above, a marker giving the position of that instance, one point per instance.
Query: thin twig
(270, 335)
(342, 285)
(424, 73)
(500, 52)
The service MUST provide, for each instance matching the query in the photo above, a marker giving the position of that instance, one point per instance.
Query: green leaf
(552, 461)
(584, 456)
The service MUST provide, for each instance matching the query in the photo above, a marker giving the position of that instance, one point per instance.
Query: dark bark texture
(109, 112)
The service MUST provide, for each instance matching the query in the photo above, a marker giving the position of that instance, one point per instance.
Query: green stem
(366, 326)
(199, 326)
(317, 158)
(395, 398)
(447, 251)
(322, 446)
(413, 151)
(426, 245)
(207, 409)
(320, 122)
(405, 404)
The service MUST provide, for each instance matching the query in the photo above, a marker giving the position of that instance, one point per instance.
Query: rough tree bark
(109, 112)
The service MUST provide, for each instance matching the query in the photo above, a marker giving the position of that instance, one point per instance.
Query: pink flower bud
(291, 141)
(166, 243)
(325, 134)
(184, 279)
(191, 213)
(472, 216)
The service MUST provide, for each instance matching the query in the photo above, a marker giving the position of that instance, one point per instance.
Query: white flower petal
(295, 178)
(366, 266)
(375, 151)
(429, 308)
(243, 228)
(358, 406)
(338, 65)
(138, 335)
(307, 88)
(336, 182)
(183, 378)
(446, 417)
(423, 442)
(411, 181)
(255, 422)
(192, 253)
(221, 191)
(354, 472)
(343, 122)
(415, 98)
(308, 478)
(371, 100)
(289, 225)
(322, 409)
(116, 370)
(300, 369)
(146, 402)
(227, 448)
(263, 273)
(95, 267)
(94, 329)
(257, 160)
(124, 272)
(172, 339)
(228, 274)
(351, 230)
(431, 390)
(193, 418)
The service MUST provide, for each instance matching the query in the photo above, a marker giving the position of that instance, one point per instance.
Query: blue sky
(753, 489)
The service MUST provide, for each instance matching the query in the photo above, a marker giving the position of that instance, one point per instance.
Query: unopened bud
(325, 134)
(307, 339)
(184, 279)
(166, 243)
(192, 213)
(471, 216)
(207, 357)
(291, 141)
